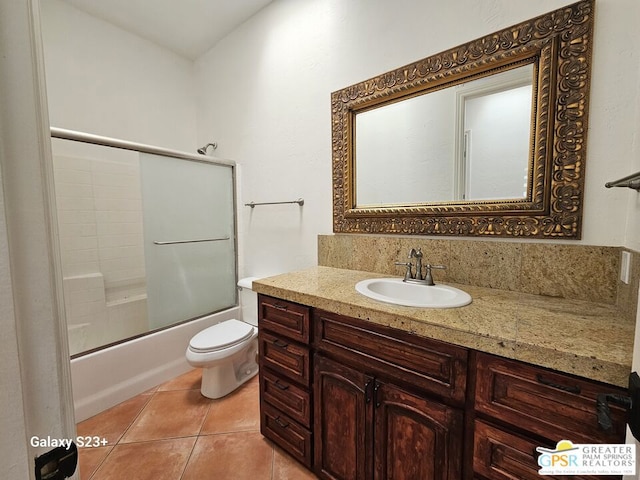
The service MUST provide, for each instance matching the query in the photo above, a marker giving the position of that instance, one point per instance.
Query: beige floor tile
(188, 381)
(157, 460)
(160, 441)
(236, 412)
(89, 459)
(237, 456)
(171, 414)
(286, 468)
(112, 423)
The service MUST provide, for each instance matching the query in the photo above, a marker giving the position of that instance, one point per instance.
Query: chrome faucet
(417, 277)
(417, 254)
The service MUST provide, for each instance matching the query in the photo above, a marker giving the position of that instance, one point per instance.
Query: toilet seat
(222, 335)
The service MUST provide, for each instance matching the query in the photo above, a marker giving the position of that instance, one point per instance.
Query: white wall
(106, 81)
(263, 94)
(265, 97)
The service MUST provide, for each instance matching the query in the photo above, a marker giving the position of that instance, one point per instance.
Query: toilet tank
(248, 300)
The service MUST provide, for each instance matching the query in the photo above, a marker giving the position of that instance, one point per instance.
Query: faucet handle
(407, 273)
(427, 276)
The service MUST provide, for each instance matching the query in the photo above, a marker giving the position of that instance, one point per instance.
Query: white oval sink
(394, 290)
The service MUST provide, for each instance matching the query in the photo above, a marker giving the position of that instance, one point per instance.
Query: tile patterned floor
(171, 432)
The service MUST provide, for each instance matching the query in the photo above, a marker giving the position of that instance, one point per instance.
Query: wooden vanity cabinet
(285, 376)
(519, 407)
(370, 420)
(351, 400)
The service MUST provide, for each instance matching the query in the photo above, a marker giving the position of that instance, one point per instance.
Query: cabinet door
(415, 437)
(343, 421)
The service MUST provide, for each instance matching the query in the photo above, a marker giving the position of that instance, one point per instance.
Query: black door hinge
(57, 464)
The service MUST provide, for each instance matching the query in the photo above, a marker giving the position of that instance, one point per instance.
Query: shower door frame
(83, 137)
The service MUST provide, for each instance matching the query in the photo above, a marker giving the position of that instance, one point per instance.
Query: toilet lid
(222, 335)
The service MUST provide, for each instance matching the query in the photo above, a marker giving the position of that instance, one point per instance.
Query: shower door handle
(176, 242)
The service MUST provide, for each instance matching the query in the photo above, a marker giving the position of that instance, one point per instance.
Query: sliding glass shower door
(147, 239)
(189, 236)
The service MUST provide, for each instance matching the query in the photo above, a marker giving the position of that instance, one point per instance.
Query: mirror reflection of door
(494, 131)
(469, 141)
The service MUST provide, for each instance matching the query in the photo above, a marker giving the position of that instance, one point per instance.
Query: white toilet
(227, 351)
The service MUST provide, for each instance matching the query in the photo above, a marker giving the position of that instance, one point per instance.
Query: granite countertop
(592, 340)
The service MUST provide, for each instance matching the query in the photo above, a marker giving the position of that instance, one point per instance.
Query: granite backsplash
(579, 272)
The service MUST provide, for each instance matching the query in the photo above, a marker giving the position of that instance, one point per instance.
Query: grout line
(189, 458)
(136, 417)
(95, 470)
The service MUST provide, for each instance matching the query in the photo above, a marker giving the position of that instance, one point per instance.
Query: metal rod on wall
(300, 202)
(175, 242)
(630, 181)
(83, 137)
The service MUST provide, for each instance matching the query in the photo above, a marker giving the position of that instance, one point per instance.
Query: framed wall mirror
(487, 138)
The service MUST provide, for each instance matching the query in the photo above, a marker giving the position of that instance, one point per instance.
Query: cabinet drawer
(430, 365)
(285, 318)
(500, 455)
(551, 404)
(286, 397)
(284, 357)
(286, 433)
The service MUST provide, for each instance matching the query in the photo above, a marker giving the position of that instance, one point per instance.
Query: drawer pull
(280, 422)
(565, 388)
(280, 307)
(279, 343)
(281, 386)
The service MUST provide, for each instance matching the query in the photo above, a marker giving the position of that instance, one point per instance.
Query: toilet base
(224, 377)
(219, 381)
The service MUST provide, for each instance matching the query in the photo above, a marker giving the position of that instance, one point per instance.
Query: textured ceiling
(187, 27)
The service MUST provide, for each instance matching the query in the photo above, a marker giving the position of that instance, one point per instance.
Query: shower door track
(64, 134)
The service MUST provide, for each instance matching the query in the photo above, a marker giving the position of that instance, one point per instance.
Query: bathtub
(107, 377)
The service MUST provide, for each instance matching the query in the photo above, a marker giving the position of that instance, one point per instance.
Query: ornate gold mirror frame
(558, 44)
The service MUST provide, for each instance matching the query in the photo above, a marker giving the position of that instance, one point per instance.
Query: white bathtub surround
(110, 376)
(98, 316)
